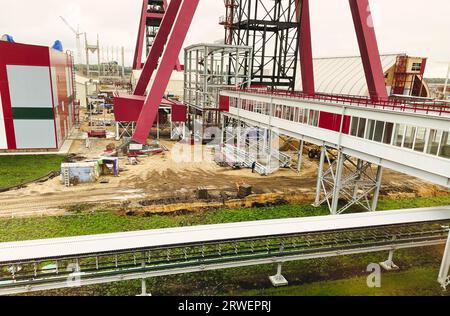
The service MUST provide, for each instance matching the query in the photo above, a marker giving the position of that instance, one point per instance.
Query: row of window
(298, 115)
(420, 139)
(430, 141)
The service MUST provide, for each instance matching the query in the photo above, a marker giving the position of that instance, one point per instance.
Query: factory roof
(345, 75)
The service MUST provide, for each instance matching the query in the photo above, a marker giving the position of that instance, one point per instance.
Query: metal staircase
(238, 157)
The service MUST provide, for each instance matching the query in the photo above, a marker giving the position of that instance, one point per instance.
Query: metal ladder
(66, 175)
(75, 102)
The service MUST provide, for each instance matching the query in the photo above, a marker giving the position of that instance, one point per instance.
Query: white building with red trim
(36, 98)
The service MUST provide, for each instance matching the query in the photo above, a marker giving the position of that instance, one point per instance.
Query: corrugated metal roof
(344, 75)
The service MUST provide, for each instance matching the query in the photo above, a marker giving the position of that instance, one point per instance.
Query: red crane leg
(369, 49)
(158, 47)
(305, 49)
(169, 59)
(137, 61)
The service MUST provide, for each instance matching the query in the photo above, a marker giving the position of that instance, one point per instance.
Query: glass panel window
(313, 118)
(388, 130)
(305, 116)
(361, 127)
(354, 126)
(445, 145)
(399, 134)
(419, 144)
(409, 137)
(370, 129)
(433, 142)
(379, 128)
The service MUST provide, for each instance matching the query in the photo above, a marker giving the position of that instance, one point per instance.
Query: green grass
(416, 281)
(110, 222)
(18, 169)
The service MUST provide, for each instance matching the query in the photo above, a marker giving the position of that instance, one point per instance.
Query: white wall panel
(35, 134)
(29, 86)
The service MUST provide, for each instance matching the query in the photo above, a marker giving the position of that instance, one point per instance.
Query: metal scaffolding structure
(246, 146)
(271, 29)
(347, 179)
(208, 69)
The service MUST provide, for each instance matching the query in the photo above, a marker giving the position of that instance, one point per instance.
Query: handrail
(434, 107)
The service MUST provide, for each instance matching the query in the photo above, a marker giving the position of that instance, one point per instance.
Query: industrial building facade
(36, 97)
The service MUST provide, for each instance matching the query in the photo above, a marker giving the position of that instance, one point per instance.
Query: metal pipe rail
(438, 108)
(65, 271)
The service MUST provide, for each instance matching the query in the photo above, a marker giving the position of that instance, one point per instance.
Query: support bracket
(279, 280)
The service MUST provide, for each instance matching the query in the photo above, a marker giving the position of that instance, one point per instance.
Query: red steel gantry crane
(178, 16)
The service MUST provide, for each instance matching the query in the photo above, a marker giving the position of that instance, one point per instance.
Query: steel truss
(345, 178)
(271, 28)
(97, 268)
(124, 129)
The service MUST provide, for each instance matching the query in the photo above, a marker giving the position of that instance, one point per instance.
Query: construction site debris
(202, 193)
(244, 191)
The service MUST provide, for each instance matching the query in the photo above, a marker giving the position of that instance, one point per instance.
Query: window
(399, 134)
(370, 129)
(445, 145)
(314, 118)
(416, 67)
(409, 137)
(433, 142)
(388, 130)
(305, 116)
(361, 127)
(419, 143)
(354, 126)
(379, 128)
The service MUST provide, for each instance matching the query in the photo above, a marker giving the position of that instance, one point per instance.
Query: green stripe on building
(32, 113)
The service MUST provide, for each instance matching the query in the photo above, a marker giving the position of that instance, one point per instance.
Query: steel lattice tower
(271, 28)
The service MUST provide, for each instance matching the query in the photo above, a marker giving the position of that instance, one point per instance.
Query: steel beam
(137, 61)
(320, 176)
(368, 47)
(444, 276)
(158, 47)
(169, 59)
(305, 47)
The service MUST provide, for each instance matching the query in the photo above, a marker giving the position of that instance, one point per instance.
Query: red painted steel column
(158, 47)
(137, 61)
(369, 49)
(169, 59)
(305, 49)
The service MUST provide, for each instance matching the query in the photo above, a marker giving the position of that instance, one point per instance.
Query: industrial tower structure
(271, 28)
(152, 14)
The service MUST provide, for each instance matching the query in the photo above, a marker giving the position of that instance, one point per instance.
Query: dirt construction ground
(165, 183)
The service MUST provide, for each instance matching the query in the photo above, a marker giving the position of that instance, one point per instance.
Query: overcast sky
(415, 27)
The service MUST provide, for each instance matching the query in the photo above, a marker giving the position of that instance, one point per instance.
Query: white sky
(415, 27)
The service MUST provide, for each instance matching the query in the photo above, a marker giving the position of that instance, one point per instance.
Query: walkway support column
(368, 46)
(444, 277)
(337, 183)
(320, 176)
(376, 194)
